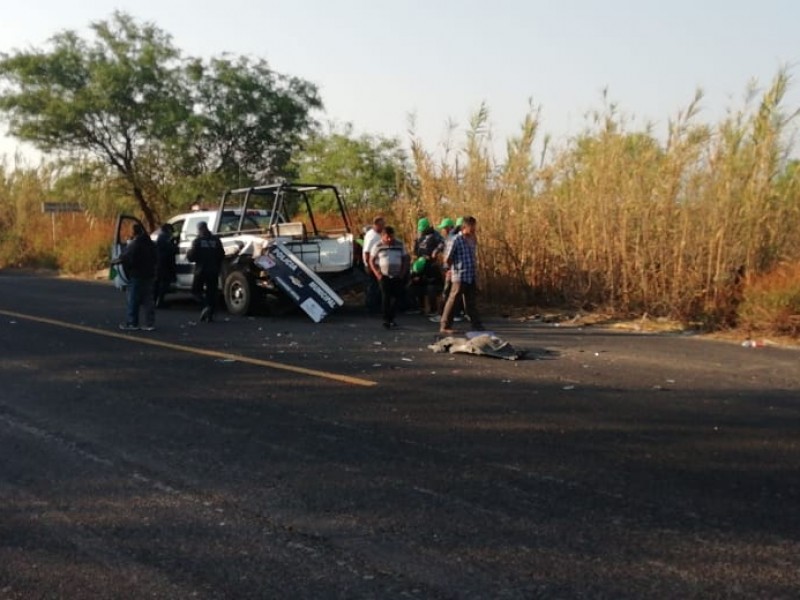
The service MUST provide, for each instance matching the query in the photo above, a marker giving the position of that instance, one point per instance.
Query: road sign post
(59, 207)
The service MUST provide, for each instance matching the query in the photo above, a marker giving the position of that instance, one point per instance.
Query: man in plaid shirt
(460, 257)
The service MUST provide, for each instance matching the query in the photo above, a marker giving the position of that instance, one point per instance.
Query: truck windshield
(254, 219)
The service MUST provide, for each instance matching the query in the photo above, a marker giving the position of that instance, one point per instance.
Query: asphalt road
(275, 458)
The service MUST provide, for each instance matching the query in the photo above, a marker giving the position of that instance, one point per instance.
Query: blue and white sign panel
(300, 283)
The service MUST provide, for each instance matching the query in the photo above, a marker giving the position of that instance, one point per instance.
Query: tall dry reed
(618, 219)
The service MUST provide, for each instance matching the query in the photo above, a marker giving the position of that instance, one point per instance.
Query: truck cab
(185, 230)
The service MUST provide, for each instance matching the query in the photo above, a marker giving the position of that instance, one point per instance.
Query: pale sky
(376, 61)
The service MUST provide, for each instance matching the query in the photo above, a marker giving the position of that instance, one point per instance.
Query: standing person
(461, 258)
(427, 286)
(166, 249)
(448, 232)
(389, 263)
(428, 239)
(207, 254)
(139, 261)
(371, 239)
(446, 228)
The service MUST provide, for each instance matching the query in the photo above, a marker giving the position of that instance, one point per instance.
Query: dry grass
(616, 219)
(771, 303)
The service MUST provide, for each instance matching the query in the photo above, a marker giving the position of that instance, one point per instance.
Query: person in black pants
(372, 237)
(166, 249)
(139, 261)
(207, 254)
(389, 263)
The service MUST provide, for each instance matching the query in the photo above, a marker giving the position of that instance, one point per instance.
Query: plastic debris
(471, 335)
(753, 344)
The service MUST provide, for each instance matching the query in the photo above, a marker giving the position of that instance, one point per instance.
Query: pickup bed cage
(277, 197)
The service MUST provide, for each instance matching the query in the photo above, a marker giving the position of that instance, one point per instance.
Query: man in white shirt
(371, 239)
(389, 262)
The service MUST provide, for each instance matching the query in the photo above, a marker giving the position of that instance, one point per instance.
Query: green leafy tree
(368, 170)
(248, 119)
(128, 98)
(118, 97)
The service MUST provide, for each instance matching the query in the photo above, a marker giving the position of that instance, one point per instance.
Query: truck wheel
(238, 292)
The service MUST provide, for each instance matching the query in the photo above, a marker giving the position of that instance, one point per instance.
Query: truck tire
(239, 294)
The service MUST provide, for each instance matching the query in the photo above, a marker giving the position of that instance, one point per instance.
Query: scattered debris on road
(755, 343)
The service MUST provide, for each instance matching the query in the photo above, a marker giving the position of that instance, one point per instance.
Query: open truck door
(123, 233)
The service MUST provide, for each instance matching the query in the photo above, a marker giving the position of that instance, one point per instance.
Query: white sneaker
(149, 328)
(435, 318)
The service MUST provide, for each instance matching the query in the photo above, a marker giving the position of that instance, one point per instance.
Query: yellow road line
(211, 353)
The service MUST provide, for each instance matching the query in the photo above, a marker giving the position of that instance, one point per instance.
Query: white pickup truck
(308, 257)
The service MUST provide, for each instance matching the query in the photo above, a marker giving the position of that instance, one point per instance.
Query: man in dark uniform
(139, 261)
(207, 254)
(166, 249)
